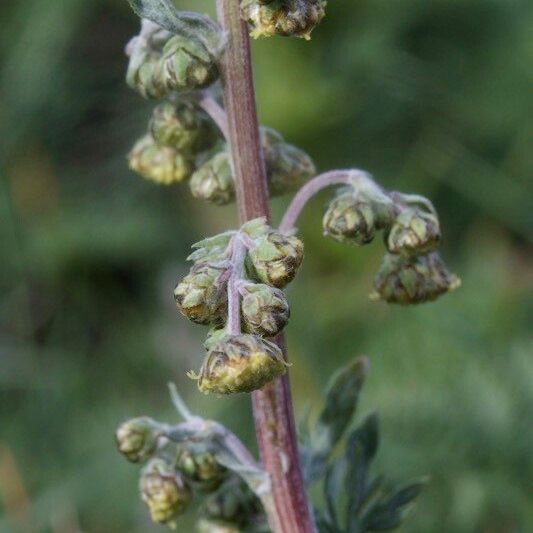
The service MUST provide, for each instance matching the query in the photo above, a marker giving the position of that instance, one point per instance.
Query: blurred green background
(431, 97)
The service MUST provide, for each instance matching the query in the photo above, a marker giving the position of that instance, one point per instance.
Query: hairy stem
(328, 179)
(217, 114)
(273, 414)
(238, 254)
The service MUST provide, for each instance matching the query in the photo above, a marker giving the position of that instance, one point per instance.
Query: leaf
(342, 395)
(389, 512)
(190, 25)
(332, 489)
(361, 448)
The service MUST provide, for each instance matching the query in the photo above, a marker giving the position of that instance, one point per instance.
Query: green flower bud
(240, 363)
(137, 439)
(213, 181)
(350, 219)
(200, 297)
(295, 18)
(217, 526)
(413, 232)
(182, 126)
(164, 491)
(161, 164)
(265, 309)
(288, 168)
(187, 65)
(276, 258)
(201, 469)
(234, 503)
(412, 280)
(145, 73)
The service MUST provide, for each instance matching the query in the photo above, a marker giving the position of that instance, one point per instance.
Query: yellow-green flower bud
(413, 232)
(188, 65)
(288, 167)
(137, 439)
(164, 491)
(213, 181)
(412, 280)
(287, 18)
(199, 297)
(350, 219)
(182, 126)
(205, 525)
(161, 164)
(240, 363)
(265, 309)
(145, 73)
(276, 258)
(201, 469)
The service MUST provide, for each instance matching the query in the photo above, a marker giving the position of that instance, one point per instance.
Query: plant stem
(273, 413)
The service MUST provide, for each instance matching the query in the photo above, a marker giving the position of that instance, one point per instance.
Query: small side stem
(334, 177)
(238, 254)
(215, 111)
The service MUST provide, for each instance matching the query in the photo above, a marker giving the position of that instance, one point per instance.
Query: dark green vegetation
(431, 97)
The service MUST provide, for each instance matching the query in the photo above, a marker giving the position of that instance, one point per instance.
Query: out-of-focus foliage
(431, 97)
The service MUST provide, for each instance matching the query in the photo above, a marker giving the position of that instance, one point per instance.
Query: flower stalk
(272, 405)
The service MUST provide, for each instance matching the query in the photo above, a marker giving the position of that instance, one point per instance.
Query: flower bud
(288, 168)
(350, 219)
(265, 309)
(137, 439)
(205, 525)
(200, 297)
(161, 164)
(295, 18)
(201, 469)
(182, 126)
(276, 258)
(413, 232)
(233, 503)
(213, 181)
(187, 65)
(412, 280)
(164, 491)
(145, 73)
(240, 363)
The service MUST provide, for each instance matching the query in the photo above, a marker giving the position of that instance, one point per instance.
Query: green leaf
(332, 489)
(190, 25)
(388, 512)
(361, 448)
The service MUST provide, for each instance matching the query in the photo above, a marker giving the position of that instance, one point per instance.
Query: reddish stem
(273, 413)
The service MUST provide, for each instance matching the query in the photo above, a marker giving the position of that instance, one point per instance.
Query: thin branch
(216, 112)
(238, 254)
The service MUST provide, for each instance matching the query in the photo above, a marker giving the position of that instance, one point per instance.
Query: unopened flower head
(161, 164)
(145, 74)
(240, 363)
(288, 167)
(201, 469)
(200, 297)
(413, 232)
(265, 309)
(412, 280)
(137, 439)
(295, 18)
(350, 219)
(276, 258)
(164, 491)
(182, 126)
(188, 65)
(213, 181)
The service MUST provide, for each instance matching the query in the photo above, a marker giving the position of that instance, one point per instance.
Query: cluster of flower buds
(287, 168)
(239, 357)
(288, 18)
(174, 470)
(179, 134)
(412, 271)
(162, 63)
